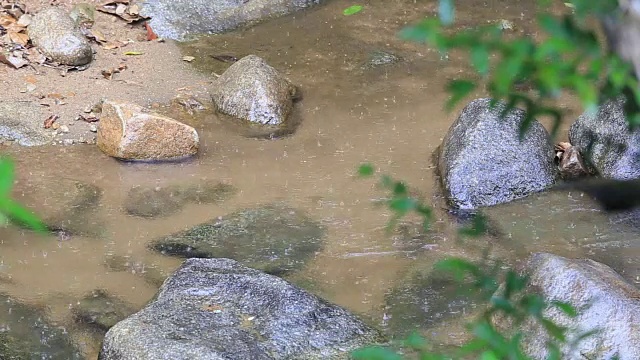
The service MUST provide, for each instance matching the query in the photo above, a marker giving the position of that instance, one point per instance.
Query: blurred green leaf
(353, 9)
(566, 308)
(458, 89)
(366, 170)
(6, 176)
(375, 353)
(21, 216)
(480, 59)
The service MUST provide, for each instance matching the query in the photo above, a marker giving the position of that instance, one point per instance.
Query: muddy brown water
(391, 116)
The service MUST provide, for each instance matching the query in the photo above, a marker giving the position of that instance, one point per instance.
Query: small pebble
(67, 142)
(93, 128)
(64, 128)
(55, 126)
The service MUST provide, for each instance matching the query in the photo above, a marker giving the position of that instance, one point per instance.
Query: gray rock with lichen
(482, 160)
(55, 33)
(219, 309)
(605, 142)
(253, 91)
(182, 19)
(22, 122)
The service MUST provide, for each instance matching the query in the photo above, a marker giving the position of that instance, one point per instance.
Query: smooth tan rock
(127, 132)
(55, 33)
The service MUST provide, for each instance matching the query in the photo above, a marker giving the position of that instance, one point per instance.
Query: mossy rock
(101, 311)
(274, 238)
(164, 201)
(25, 334)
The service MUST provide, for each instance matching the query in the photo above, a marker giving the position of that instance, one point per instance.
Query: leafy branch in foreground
(11, 211)
(570, 59)
(505, 292)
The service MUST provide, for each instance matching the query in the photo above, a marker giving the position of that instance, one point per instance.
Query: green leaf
(21, 216)
(553, 329)
(375, 353)
(566, 308)
(489, 355)
(402, 204)
(458, 89)
(366, 170)
(415, 341)
(446, 12)
(480, 59)
(6, 176)
(133, 53)
(353, 9)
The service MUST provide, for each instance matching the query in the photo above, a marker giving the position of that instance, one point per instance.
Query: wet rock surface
(424, 299)
(164, 201)
(605, 142)
(100, 310)
(22, 122)
(274, 238)
(254, 92)
(219, 309)
(570, 163)
(70, 208)
(181, 19)
(128, 132)
(55, 33)
(605, 301)
(150, 273)
(25, 334)
(482, 161)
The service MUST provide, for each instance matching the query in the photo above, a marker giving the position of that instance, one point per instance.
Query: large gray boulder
(605, 302)
(22, 122)
(181, 19)
(55, 33)
(219, 309)
(606, 143)
(482, 161)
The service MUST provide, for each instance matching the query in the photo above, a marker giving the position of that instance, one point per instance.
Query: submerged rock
(22, 122)
(152, 274)
(482, 161)
(425, 299)
(605, 142)
(101, 311)
(181, 19)
(381, 58)
(69, 206)
(605, 302)
(164, 201)
(25, 334)
(127, 132)
(254, 92)
(272, 238)
(219, 309)
(55, 33)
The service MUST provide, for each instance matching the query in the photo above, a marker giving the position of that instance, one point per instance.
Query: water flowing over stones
(605, 142)
(26, 334)
(127, 132)
(55, 33)
(483, 162)
(181, 19)
(274, 238)
(605, 302)
(219, 309)
(253, 91)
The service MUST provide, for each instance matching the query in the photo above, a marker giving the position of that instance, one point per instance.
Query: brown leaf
(6, 20)
(113, 45)
(150, 34)
(55, 96)
(96, 35)
(48, 123)
(19, 38)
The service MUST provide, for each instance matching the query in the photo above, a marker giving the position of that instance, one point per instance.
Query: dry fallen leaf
(19, 38)
(55, 96)
(151, 35)
(48, 123)
(95, 35)
(89, 118)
